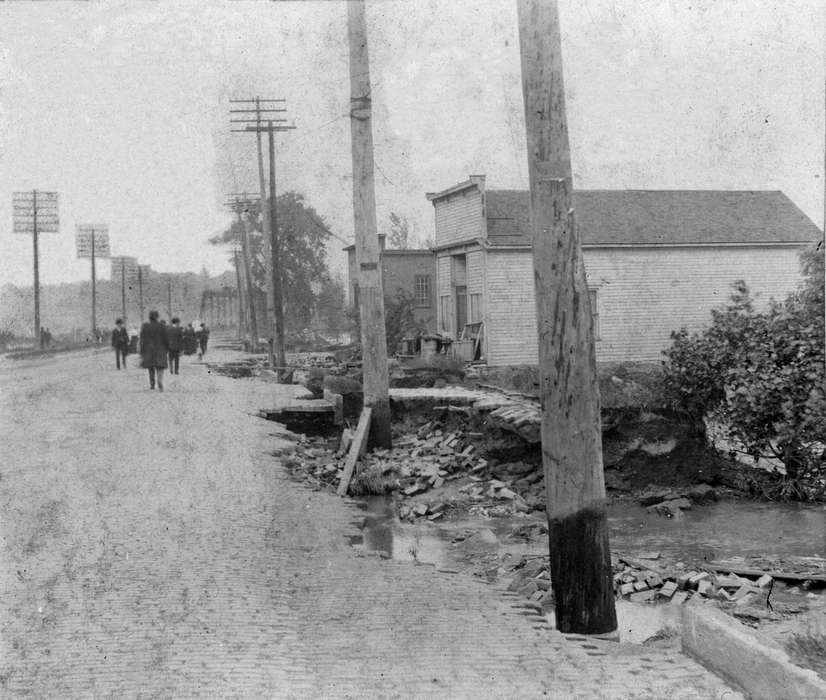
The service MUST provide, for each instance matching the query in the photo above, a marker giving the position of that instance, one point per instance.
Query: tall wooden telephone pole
(571, 436)
(123, 267)
(239, 204)
(368, 263)
(275, 301)
(35, 212)
(93, 243)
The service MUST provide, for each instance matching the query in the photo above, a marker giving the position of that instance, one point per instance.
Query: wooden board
(740, 570)
(357, 448)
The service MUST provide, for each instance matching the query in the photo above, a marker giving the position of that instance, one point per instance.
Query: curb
(733, 651)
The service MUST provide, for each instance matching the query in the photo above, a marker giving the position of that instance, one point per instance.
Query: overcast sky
(122, 108)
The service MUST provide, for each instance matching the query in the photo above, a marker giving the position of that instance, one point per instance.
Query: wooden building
(656, 260)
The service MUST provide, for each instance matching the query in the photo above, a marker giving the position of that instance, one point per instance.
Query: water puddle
(721, 530)
(715, 531)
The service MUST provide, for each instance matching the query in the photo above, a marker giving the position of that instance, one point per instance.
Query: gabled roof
(661, 217)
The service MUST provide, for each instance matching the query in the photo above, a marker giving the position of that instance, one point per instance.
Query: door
(461, 310)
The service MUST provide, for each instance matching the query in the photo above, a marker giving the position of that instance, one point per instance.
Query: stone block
(643, 596)
(746, 599)
(653, 580)
(627, 588)
(683, 580)
(668, 589)
(679, 598)
(744, 590)
(705, 587)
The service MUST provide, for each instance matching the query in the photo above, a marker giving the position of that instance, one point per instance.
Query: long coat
(174, 338)
(153, 345)
(120, 338)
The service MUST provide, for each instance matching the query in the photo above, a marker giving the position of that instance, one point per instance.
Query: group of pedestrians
(160, 345)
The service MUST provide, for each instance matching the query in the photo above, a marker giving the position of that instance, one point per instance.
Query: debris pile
(532, 580)
(642, 581)
(422, 462)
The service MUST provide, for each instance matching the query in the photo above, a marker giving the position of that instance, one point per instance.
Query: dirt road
(153, 547)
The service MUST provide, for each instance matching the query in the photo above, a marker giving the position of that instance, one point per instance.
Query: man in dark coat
(175, 343)
(154, 349)
(120, 341)
(202, 334)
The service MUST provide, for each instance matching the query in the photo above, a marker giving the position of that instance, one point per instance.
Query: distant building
(412, 271)
(656, 260)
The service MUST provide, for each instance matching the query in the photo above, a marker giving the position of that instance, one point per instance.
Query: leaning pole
(580, 556)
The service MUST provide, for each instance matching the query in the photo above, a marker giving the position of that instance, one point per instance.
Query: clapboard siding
(459, 217)
(642, 294)
(475, 273)
(444, 288)
(511, 311)
(645, 293)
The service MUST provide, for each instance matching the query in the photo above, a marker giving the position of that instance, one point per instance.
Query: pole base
(581, 578)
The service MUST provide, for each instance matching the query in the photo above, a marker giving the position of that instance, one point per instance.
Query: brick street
(152, 547)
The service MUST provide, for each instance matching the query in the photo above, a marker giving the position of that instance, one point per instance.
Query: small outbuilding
(656, 260)
(412, 271)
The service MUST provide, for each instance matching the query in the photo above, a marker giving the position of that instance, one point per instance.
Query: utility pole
(123, 267)
(239, 204)
(580, 555)
(142, 269)
(265, 221)
(242, 330)
(94, 291)
(368, 264)
(93, 242)
(274, 288)
(35, 213)
(169, 295)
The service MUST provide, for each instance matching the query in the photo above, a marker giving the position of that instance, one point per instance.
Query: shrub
(764, 374)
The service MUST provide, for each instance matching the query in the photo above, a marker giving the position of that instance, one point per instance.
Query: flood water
(716, 531)
(721, 530)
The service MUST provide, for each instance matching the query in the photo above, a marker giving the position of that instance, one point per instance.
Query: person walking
(120, 341)
(189, 340)
(175, 343)
(154, 349)
(203, 337)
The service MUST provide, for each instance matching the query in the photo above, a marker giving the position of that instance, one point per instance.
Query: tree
(331, 307)
(302, 236)
(763, 373)
(398, 237)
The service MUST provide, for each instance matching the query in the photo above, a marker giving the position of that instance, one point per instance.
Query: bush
(764, 374)
(399, 319)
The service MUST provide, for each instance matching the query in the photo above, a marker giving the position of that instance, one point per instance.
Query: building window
(592, 297)
(475, 308)
(422, 290)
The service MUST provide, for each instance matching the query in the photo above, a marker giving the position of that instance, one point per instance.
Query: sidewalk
(153, 547)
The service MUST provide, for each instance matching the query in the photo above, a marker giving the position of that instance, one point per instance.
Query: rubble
(633, 577)
(428, 459)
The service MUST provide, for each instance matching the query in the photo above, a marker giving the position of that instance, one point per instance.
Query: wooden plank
(724, 568)
(357, 448)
